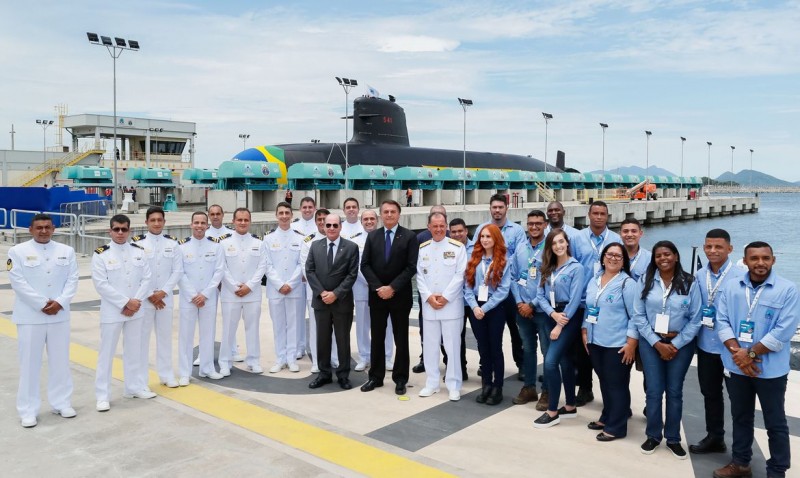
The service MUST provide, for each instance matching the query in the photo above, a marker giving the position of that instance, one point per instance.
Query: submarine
(380, 138)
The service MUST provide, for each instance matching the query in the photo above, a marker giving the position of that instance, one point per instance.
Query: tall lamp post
(751, 169)
(709, 164)
(465, 103)
(647, 164)
(683, 141)
(244, 138)
(547, 117)
(347, 84)
(46, 124)
(603, 181)
(115, 49)
(732, 148)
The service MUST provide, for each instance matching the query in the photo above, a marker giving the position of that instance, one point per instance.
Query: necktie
(388, 248)
(330, 255)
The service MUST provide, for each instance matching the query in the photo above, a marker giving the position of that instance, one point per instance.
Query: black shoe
(345, 383)
(370, 385)
(583, 397)
(495, 397)
(649, 446)
(400, 388)
(540, 378)
(485, 391)
(603, 436)
(595, 426)
(464, 376)
(480, 374)
(546, 421)
(677, 450)
(418, 368)
(709, 444)
(319, 381)
(564, 413)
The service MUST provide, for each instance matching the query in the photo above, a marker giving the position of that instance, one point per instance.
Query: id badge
(523, 280)
(592, 314)
(596, 268)
(553, 299)
(746, 331)
(532, 273)
(662, 324)
(483, 293)
(709, 313)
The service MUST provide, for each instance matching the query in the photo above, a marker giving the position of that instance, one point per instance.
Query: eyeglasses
(616, 257)
(120, 229)
(332, 226)
(536, 224)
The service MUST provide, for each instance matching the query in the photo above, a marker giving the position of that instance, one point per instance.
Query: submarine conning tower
(379, 121)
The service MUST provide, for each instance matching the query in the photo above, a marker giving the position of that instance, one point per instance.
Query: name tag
(523, 282)
(532, 273)
(709, 313)
(662, 323)
(596, 268)
(746, 331)
(553, 299)
(483, 293)
(592, 314)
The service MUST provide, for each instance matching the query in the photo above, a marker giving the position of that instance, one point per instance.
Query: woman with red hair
(486, 285)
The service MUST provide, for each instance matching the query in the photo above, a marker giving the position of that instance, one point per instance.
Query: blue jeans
(615, 380)
(771, 393)
(489, 334)
(558, 363)
(532, 331)
(665, 377)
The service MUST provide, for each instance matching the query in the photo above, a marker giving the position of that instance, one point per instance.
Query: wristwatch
(751, 354)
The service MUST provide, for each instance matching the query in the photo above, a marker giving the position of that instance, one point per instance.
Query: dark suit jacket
(339, 279)
(398, 272)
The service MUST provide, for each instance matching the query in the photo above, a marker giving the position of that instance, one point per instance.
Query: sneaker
(225, 371)
(564, 413)
(649, 446)
(300, 355)
(360, 366)
(196, 362)
(144, 394)
(170, 383)
(389, 366)
(28, 422)
(546, 421)
(427, 392)
(677, 450)
(102, 406)
(238, 358)
(454, 395)
(544, 401)
(184, 381)
(294, 368)
(277, 367)
(213, 375)
(314, 369)
(66, 412)
(255, 369)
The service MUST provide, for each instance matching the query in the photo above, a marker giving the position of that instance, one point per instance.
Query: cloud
(417, 44)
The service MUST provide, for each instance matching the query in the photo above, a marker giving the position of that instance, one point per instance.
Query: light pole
(244, 137)
(751, 169)
(347, 84)
(683, 141)
(465, 103)
(44, 124)
(708, 182)
(647, 165)
(12, 132)
(155, 131)
(547, 117)
(115, 49)
(603, 181)
(732, 148)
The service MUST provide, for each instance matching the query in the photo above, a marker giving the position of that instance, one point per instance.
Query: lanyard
(665, 297)
(554, 277)
(636, 258)
(485, 269)
(752, 305)
(535, 255)
(596, 248)
(601, 289)
(713, 292)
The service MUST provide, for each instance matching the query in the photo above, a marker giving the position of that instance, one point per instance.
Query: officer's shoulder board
(454, 242)
(138, 237)
(170, 236)
(102, 249)
(257, 236)
(296, 219)
(185, 240)
(224, 236)
(9, 265)
(426, 243)
(309, 237)
(212, 239)
(137, 246)
(356, 234)
(298, 232)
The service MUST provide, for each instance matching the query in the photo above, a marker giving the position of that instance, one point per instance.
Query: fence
(95, 208)
(70, 230)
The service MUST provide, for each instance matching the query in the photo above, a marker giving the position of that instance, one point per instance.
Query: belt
(666, 338)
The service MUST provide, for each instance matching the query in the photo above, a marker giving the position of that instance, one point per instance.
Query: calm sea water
(775, 223)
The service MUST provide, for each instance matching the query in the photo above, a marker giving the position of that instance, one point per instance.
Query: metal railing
(96, 208)
(71, 220)
(4, 212)
(83, 221)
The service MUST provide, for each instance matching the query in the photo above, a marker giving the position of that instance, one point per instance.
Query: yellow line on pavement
(340, 450)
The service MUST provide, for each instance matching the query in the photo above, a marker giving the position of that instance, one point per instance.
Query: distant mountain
(758, 179)
(639, 171)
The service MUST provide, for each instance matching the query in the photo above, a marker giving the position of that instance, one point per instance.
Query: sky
(718, 71)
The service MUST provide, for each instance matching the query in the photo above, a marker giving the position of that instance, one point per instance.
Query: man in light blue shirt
(631, 233)
(555, 220)
(719, 271)
(756, 319)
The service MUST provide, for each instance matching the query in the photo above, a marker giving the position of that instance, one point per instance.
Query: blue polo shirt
(513, 234)
(567, 282)
(496, 294)
(525, 258)
(615, 301)
(707, 338)
(639, 263)
(685, 312)
(588, 248)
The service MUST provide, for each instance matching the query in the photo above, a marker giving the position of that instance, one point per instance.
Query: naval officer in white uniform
(122, 278)
(44, 276)
(306, 225)
(285, 293)
(245, 265)
(440, 281)
(165, 264)
(203, 266)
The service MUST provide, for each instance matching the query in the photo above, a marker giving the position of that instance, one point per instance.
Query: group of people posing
(590, 300)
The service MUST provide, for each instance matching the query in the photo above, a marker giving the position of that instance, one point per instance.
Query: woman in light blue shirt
(610, 338)
(560, 291)
(667, 314)
(487, 282)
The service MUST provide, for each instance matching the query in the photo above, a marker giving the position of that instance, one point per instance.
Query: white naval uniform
(361, 299)
(217, 233)
(286, 310)
(245, 263)
(312, 321)
(165, 264)
(202, 270)
(440, 270)
(350, 230)
(120, 273)
(39, 273)
(306, 228)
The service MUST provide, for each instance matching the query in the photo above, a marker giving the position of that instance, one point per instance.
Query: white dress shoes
(293, 367)
(255, 369)
(314, 369)
(455, 395)
(360, 366)
(238, 358)
(225, 371)
(28, 422)
(66, 412)
(277, 367)
(196, 362)
(427, 392)
(171, 383)
(184, 381)
(213, 375)
(145, 394)
(103, 406)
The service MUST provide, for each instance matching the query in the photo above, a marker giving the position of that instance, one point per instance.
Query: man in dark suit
(331, 270)
(388, 263)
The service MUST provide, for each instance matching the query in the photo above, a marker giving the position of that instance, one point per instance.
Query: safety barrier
(70, 230)
(4, 213)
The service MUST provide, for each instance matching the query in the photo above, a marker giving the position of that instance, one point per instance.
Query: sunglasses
(120, 229)
(332, 226)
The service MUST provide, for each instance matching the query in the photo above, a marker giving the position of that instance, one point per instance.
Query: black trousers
(340, 323)
(510, 314)
(378, 316)
(583, 364)
(710, 375)
(615, 379)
